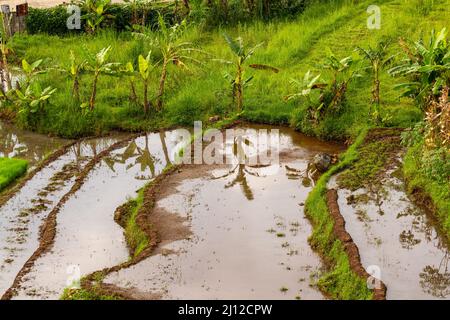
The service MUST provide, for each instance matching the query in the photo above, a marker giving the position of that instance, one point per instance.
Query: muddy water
(399, 239)
(23, 214)
(26, 145)
(87, 237)
(248, 232)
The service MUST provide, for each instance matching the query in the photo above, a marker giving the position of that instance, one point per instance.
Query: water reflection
(27, 145)
(141, 156)
(436, 280)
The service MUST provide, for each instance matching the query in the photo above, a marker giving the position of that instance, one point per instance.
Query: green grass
(10, 170)
(82, 294)
(136, 239)
(438, 192)
(340, 282)
(294, 46)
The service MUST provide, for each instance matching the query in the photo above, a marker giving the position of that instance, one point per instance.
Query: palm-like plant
(173, 51)
(32, 98)
(74, 72)
(97, 12)
(98, 65)
(145, 68)
(30, 71)
(378, 58)
(242, 56)
(305, 88)
(428, 66)
(342, 74)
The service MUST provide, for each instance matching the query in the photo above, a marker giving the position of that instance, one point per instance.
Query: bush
(53, 21)
(236, 11)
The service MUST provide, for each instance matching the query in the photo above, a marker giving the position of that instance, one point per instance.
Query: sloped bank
(344, 279)
(364, 218)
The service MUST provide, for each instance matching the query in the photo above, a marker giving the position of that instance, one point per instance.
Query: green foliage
(429, 174)
(83, 294)
(231, 12)
(53, 21)
(427, 66)
(10, 170)
(97, 13)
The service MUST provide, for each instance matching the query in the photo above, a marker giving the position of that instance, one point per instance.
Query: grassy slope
(294, 47)
(10, 170)
(418, 181)
(340, 282)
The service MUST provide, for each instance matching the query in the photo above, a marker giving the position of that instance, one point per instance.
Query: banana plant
(427, 66)
(242, 56)
(98, 65)
(172, 49)
(305, 88)
(32, 98)
(74, 72)
(97, 12)
(378, 59)
(342, 74)
(145, 68)
(30, 71)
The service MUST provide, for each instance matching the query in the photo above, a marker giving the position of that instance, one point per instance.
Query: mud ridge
(48, 229)
(53, 157)
(349, 245)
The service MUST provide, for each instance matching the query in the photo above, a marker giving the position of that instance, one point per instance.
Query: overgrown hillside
(201, 91)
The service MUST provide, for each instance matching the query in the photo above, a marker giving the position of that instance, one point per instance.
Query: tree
(145, 68)
(5, 50)
(74, 72)
(98, 65)
(173, 51)
(242, 55)
(97, 12)
(378, 59)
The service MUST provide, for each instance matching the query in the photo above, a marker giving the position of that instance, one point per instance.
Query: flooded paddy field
(245, 233)
(398, 240)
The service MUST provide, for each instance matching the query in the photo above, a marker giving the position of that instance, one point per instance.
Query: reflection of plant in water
(142, 156)
(436, 281)
(419, 222)
(308, 175)
(408, 240)
(241, 168)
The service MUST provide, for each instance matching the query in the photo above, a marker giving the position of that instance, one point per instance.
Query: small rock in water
(322, 161)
